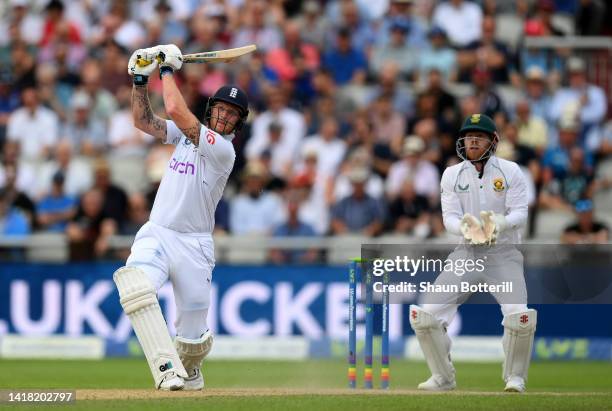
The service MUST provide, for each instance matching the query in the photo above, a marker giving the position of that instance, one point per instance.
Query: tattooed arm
(144, 118)
(178, 111)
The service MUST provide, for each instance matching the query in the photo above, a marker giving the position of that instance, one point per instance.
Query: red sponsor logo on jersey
(210, 137)
(524, 319)
(414, 314)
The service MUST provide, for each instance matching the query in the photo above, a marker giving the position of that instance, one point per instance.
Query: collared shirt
(501, 189)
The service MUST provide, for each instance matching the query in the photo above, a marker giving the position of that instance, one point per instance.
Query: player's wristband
(140, 80)
(165, 70)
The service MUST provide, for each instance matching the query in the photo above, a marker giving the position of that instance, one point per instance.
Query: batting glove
(170, 56)
(472, 230)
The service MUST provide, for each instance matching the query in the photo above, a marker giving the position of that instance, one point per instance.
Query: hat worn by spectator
(19, 3)
(359, 175)
(413, 145)
(583, 206)
(576, 65)
(437, 31)
(400, 24)
(80, 100)
(311, 7)
(254, 169)
(535, 73)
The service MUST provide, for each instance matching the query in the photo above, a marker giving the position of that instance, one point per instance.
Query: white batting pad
(519, 330)
(192, 352)
(434, 342)
(139, 301)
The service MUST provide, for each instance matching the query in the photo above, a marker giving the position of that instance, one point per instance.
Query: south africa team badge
(498, 184)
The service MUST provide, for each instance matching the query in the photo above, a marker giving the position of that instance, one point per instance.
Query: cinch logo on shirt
(182, 168)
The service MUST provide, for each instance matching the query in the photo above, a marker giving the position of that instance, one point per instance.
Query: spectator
(116, 25)
(542, 23)
(410, 212)
(15, 196)
(103, 103)
(536, 92)
(255, 211)
(9, 102)
(24, 67)
(388, 83)
(589, 99)
(28, 25)
(577, 183)
(13, 221)
(328, 147)
(461, 20)
(488, 100)
(440, 56)
(26, 176)
(423, 173)
(35, 127)
(85, 132)
(397, 50)
(295, 60)
(137, 215)
(357, 160)
(314, 194)
(362, 34)
(294, 227)
(587, 230)
(57, 208)
(347, 64)
(291, 121)
(445, 103)
(57, 28)
(556, 158)
(77, 172)
(487, 53)
(403, 10)
(359, 213)
(115, 201)
(389, 125)
(532, 130)
(313, 24)
(164, 28)
(589, 19)
(256, 29)
(83, 231)
(113, 61)
(124, 138)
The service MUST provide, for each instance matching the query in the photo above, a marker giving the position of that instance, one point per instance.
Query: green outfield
(125, 384)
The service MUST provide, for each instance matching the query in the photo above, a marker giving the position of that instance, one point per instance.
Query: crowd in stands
(355, 109)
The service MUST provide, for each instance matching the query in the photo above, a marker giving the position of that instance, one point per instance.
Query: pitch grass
(552, 386)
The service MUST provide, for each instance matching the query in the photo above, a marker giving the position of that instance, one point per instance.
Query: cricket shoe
(171, 382)
(432, 384)
(515, 384)
(194, 382)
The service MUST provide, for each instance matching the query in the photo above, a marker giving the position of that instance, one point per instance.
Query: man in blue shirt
(345, 63)
(57, 208)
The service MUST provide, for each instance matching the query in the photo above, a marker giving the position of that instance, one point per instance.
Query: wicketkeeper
(176, 243)
(484, 200)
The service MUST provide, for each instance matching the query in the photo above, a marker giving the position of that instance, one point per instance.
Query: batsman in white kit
(484, 200)
(176, 243)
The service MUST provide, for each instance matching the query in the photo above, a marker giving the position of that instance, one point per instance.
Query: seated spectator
(445, 103)
(424, 174)
(532, 130)
(389, 125)
(589, 99)
(33, 126)
(403, 10)
(461, 20)
(488, 100)
(556, 159)
(397, 50)
(84, 229)
(536, 92)
(17, 198)
(358, 159)
(488, 53)
(124, 138)
(115, 201)
(296, 60)
(254, 210)
(359, 213)
(410, 212)
(103, 103)
(587, 230)
(440, 57)
(293, 227)
(13, 221)
(9, 101)
(328, 147)
(356, 21)
(258, 28)
(86, 134)
(388, 83)
(347, 64)
(577, 183)
(57, 208)
(26, 172)
(137, 215)
(313, 24)
(78, 176)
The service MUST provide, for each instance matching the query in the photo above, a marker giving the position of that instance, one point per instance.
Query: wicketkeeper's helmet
(232, 95)
(477, 122)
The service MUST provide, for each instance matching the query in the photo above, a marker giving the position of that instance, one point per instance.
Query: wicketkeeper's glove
(472, 230)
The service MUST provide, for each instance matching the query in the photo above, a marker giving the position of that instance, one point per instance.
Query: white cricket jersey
(193, 183)
(501, 189)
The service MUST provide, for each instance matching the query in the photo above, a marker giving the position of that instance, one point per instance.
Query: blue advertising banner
(312, 301)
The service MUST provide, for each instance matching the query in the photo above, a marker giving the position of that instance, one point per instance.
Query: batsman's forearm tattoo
(142, 112)
(193, 133)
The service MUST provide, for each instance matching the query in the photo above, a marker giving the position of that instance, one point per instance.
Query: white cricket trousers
(187, 260)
